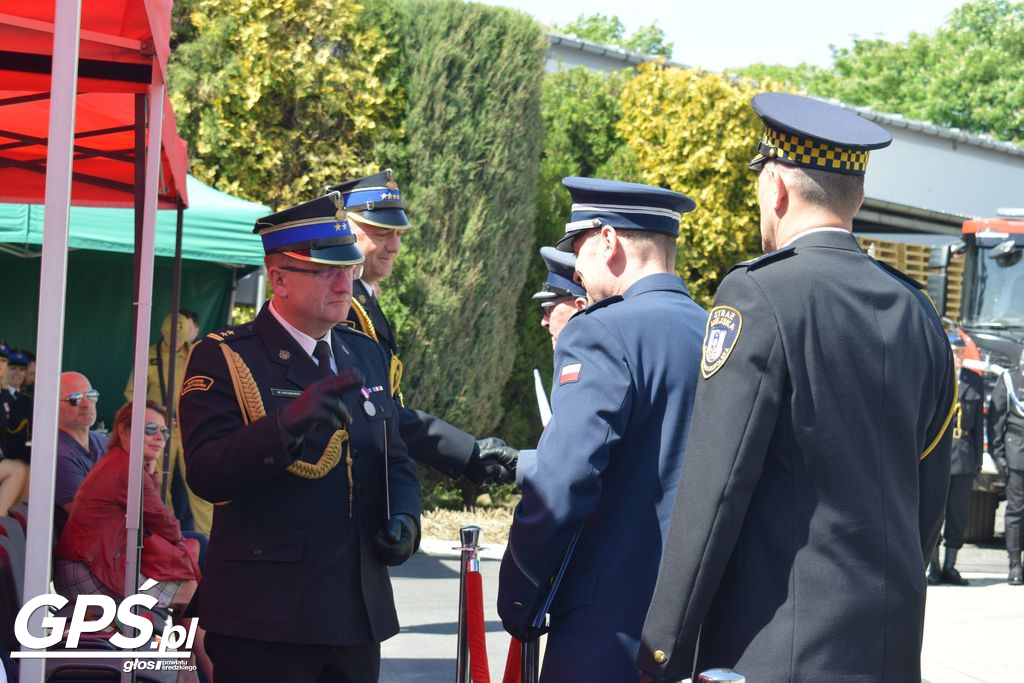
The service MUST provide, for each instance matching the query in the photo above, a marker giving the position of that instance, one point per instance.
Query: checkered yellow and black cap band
(777, 145)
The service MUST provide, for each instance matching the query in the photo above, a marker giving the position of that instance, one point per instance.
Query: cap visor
(383, 218)
(341, 255)
(565, 244)
(544, 294)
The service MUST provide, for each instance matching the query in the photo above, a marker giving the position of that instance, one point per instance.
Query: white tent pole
(50, 333)
(143, 316)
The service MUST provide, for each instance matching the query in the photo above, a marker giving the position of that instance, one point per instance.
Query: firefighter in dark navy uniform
(817, 466)
(1006, 439)
(290, 428)
(376, 212)
(965, 463)
(609, 460)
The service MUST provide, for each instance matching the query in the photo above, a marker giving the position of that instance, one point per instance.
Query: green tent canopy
(218, 247)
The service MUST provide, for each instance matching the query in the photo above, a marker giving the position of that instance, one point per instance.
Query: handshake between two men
(490, 461)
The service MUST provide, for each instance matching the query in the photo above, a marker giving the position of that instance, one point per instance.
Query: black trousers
(256, 661)
(958, 504)
(1014, 509)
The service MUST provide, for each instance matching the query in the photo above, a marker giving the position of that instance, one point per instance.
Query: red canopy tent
(120, 56)
(84, 119)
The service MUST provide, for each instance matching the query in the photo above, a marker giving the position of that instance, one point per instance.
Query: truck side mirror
(938, 257)
(937, 285)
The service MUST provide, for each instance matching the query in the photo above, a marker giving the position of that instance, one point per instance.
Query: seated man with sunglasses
(79, 447)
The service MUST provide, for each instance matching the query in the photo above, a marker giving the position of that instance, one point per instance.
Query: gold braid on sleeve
(251, 404)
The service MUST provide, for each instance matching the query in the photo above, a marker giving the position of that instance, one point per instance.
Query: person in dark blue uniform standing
(1006, 439)
(817, 467)
(376, 212)
(608, 462)
(965, 463)
(289, 426)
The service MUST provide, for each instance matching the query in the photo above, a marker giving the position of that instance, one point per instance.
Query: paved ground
(971, 634)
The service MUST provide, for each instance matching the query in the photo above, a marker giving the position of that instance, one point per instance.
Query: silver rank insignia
(720, 337)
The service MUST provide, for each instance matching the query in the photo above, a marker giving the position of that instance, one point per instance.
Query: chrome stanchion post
(720, 676)
(469, 537)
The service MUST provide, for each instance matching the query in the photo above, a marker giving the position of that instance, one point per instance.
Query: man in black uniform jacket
(1006, 439)
(965, 464)
(817, 463)
(289, 427)
(376, 213)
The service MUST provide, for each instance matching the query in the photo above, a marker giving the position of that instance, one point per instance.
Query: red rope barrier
(478, 669)
(514, 662)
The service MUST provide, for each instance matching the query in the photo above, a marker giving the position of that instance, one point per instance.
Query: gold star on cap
(284, 354)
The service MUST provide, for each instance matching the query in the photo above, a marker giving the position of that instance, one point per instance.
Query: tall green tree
(469, 172)
(600, 28)
(969, 74)
(694, 132)
(279, 98)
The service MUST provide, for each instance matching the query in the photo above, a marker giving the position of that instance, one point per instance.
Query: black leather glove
(492, 462)
(396, 543)
(321, 403)
(1002, 466)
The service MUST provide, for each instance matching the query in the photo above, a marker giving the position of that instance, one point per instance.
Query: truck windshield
(999, 293)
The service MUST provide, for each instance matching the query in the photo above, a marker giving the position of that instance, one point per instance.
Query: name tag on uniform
(286, 393)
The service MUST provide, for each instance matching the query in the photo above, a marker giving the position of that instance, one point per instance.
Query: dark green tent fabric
(218, 247)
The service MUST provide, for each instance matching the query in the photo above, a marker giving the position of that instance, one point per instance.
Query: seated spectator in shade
(78, 447)
(18, 408)
(90, 557)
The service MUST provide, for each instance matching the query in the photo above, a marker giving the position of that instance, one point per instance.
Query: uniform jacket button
(660, 657)
(268, 461)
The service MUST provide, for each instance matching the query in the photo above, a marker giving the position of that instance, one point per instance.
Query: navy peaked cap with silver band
(802, 131)
(561, 268)
(374, 200)
(625, 206)
(316, 231)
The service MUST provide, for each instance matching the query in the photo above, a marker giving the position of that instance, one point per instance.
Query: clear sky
(718, 34)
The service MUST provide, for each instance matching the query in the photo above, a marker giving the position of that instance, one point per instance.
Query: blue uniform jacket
(625, 375)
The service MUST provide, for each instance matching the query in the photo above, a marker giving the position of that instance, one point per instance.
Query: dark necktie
(322, 353)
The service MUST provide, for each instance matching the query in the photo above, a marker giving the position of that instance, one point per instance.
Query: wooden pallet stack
(912, 259)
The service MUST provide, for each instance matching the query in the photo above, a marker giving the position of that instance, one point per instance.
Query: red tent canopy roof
(124, 47)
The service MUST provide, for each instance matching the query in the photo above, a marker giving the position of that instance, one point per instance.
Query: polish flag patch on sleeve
(570, 373)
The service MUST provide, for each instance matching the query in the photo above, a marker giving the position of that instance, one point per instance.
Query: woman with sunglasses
(90, 557)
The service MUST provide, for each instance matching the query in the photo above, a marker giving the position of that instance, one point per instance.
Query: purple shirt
(74, 462)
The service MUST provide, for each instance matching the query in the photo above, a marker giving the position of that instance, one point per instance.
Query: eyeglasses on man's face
(76, 398)
(152, 429)
(328, 274)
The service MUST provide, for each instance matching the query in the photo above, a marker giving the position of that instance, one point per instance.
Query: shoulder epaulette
(765, 259)
(348, 327)
(598, 305)
(230, 334)
(896, 272)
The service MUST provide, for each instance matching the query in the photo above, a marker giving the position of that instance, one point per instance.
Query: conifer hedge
(472, 78)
